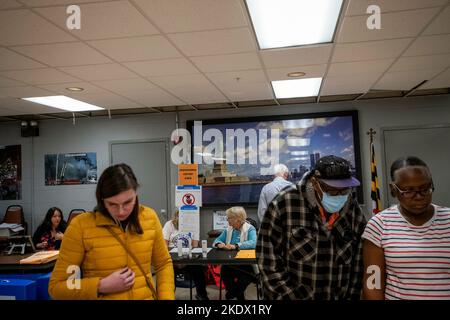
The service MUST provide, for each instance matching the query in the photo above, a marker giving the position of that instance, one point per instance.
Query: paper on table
(246, 254)
(9, 225)
(41, 257)
(186, 250)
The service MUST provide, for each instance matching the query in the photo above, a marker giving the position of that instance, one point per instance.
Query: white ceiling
(159, 53)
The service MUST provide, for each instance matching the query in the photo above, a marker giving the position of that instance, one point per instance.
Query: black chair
(73, 213)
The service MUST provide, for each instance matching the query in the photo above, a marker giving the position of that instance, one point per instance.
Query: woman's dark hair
(409, 161)
(46, 225)
(114, 180)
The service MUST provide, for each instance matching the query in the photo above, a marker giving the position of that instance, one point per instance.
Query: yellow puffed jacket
(89, 245)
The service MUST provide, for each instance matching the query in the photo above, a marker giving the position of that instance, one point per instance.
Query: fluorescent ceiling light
(296, 88)
(287, 23)
(65, 103)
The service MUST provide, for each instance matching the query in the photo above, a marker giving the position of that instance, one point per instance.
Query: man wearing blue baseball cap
(309, 244)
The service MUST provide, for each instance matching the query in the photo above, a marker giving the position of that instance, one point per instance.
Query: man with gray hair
(270, 190)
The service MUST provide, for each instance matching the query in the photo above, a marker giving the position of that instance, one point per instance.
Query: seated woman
(239, 235)
(50, 233)
(172, 235)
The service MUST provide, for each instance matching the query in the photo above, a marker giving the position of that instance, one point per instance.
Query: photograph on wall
(297, 141)
(70, 168)
(10, 172)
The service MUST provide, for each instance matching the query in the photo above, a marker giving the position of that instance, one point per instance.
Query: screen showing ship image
(236, 156)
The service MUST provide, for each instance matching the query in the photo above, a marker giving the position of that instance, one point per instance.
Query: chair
(257, 275)
(73, 213)
(14, 214)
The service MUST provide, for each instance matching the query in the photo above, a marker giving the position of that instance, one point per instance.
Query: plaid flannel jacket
(300, 259)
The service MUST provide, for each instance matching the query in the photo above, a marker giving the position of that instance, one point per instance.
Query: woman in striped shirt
(406, 247)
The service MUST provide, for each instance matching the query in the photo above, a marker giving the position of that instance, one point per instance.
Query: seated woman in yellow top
(94, 247)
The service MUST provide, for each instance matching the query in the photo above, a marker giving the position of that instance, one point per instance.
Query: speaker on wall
(29, 128)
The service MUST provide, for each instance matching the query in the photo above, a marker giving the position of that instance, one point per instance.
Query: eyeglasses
(409, 194)
(334, 192)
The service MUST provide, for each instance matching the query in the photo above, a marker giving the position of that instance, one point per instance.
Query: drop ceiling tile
(402, 24)
(24, 92)
(21, 27)
(314, 71)
(214, 42)
(155, 98)
(39, 76)
(248, 91)
(421, 62)
(10, 60)
(10, 4)
(359, 7)
(22, 107)
(441, 24)
(229, 62)
(140, 48)
(237, 77)
(405, 80)
(107, 101)
(193, 15)
(193, 89)
(4, 112)
(103, 20)
(440, 81)
(99, 72)
(126, 86)
(301, 56)
(61, 88)
(157, 68)
(39, 3)
(368, 68)
(64, 54)
(10, 83)
(346, 85)
(429, 45)
(371, 50)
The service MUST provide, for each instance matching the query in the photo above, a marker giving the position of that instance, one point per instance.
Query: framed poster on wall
(11, 172)
(70, 168)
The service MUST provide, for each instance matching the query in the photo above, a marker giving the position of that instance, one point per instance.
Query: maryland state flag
(375, 190)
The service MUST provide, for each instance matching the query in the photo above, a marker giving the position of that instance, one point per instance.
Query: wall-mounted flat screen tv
(236, 156)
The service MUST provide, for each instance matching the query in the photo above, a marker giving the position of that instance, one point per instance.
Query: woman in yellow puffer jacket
(93, 264)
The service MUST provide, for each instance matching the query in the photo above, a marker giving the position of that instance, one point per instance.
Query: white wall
(94, 135)
(87, 135)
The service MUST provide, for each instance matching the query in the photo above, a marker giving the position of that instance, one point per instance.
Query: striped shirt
(417, 257)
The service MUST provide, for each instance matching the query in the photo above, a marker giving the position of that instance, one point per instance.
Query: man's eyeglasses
(409, 194)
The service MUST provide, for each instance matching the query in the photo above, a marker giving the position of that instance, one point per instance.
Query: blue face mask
(333, 203)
